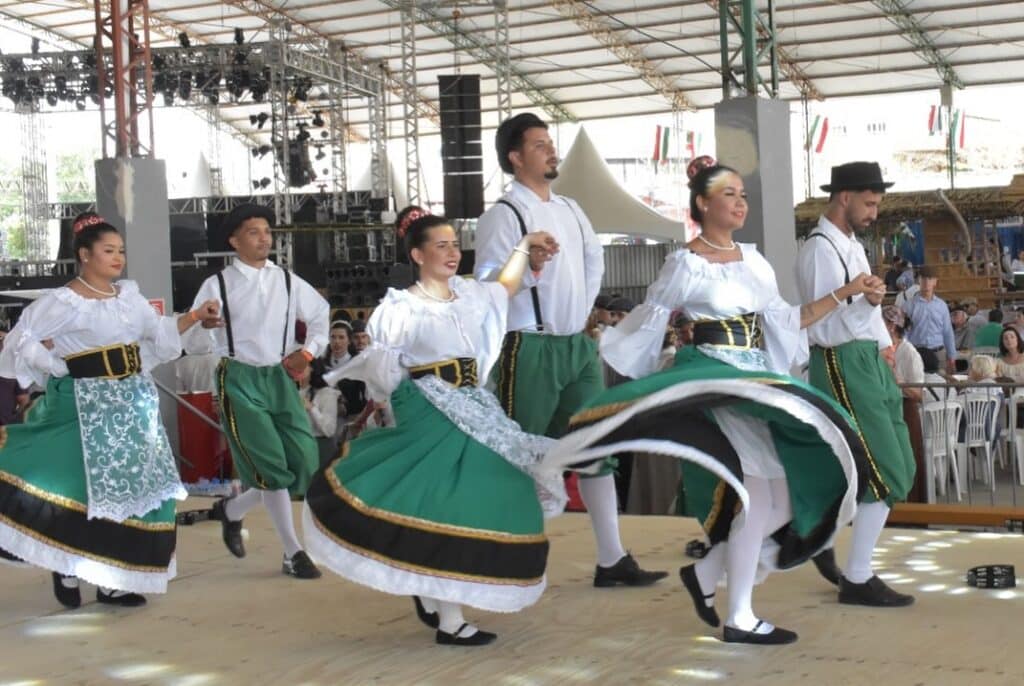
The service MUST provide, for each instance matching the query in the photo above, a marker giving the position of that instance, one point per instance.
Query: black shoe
(429, 618)
(776, 636)
(825, 561)
(480, 638)
(70, 598)
(230, 531)
(300, 566)
(626, 572)
(873, 592)
(689, 576)
(120, 599)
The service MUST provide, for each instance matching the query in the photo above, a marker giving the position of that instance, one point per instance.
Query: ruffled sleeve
(492, 297)
(24, 357)
(633, 347)
(379, 366)
(785, 343)
(160, 341)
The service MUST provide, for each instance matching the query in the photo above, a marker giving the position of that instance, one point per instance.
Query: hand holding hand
(295, 364)
(208, 314)
(542, 246)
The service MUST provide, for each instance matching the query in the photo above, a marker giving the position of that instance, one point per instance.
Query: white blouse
(408, 331)
(76, 324)
(707, 291)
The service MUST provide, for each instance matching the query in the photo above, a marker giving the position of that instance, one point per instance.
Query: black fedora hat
(857, 176)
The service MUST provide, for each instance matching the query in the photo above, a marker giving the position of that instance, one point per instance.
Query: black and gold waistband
(111, 362)
(744, 331)
(458, 372)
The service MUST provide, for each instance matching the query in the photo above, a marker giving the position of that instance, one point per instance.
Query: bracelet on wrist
(308, 355)
(521, 251)
(834, 297)
(193, 316)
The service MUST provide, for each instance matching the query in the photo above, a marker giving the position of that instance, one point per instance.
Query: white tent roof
(584, 177)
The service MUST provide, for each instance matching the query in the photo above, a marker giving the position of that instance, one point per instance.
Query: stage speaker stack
(461, 147)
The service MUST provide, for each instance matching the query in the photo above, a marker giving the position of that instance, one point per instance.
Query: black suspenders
(227, 311)
(846, 272)
(533, 289)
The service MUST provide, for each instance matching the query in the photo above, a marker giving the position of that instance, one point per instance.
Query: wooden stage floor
(228, 621)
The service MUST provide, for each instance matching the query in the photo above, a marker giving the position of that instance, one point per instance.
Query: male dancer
(846, 363)
(267, 428)
(548, 366)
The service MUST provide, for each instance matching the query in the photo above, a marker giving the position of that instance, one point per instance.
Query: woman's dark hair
(316, 375)
(1003, 350)
(338, 324)
(416, 235)
(699, 187)
(88, 228)
(402, 222)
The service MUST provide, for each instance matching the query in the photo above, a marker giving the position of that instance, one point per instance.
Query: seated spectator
(618, 308)
(668, 349)
(360, 338)
(941, 390)
(1011, 355)
(988, 336)
(958, 317)
(321, 403)
(683, 326)
(908, 366)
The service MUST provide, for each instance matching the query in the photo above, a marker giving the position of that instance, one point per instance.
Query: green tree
(76, 178)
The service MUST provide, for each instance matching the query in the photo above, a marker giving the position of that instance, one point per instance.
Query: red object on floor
(572, 488)
(203, 446)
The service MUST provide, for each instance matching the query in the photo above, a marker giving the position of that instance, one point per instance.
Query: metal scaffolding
(740, 67)
(378, 139)
(35, 205)
(410, 121)
(503, 61)
(338, 140)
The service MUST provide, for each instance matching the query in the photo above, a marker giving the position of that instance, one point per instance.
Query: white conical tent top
(584, 177)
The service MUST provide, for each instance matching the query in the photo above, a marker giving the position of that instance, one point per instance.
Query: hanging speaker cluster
(461, 146)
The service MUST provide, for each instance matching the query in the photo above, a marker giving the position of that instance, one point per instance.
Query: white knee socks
(598, 494)
(867, 527)
(237, 507)
(709, 571)
(450, 618)
(279, 505)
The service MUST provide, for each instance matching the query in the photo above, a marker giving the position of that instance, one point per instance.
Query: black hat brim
(877, 187)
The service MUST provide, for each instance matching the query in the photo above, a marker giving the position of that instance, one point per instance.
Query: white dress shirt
(262, 316)
(819, 272)
(568, 284)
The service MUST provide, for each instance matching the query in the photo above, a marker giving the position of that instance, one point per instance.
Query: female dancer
(88, 482)
(767, 460)
(444, 506)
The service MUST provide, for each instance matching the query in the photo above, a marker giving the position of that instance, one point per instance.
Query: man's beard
(551, 174)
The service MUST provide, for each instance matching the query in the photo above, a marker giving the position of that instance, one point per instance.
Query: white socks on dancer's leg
(602, 503)
(709, 571)
(769, 509)
(867, 527)
(237, 507)
(279, 505)
(450, 618)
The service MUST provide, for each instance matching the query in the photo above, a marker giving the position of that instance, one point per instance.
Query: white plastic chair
(981, 411)
(940, 423)
(1018, 434)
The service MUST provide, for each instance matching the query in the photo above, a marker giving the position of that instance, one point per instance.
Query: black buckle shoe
(874, 593)
(480, 638)
(429, 618)
(626, 572)
(300, 566)
(231, 531)
(825, 562)
(120, 599)
(776, 636)
(689, 576)
(70, 598)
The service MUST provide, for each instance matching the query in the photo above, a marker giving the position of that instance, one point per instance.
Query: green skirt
(424, 509)
(44, 505)
(670, 412)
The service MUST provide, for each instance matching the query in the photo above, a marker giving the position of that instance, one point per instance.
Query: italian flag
(817, 135)
(956, 127)
(657, 144)
(664, 144)
(934, 120)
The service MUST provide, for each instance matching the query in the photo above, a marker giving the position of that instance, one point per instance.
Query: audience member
(321, 403)
(1011, 355)
(930, 327)
(988, 335)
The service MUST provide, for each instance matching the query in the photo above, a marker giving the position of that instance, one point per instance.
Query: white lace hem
(40, 554)
(390, 579)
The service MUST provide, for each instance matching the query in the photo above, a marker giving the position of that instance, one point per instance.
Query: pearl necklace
(111, 293)
(433, 297)
(731, 246)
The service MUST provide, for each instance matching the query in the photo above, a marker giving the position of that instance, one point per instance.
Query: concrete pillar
(131, 194)
(752, 137)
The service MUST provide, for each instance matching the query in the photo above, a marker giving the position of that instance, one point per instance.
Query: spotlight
(318, 119)
(158, 62)
(185, 85)
(262, 183)
(183, 40)
(261, 151)
(303, 135)
(320, 154)
(258, 120)
(239, 37)
(51, 99)
(80, 103)
(324, 134)
(168, 98)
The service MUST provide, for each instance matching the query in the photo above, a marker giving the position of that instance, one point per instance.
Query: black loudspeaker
(461, 146)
